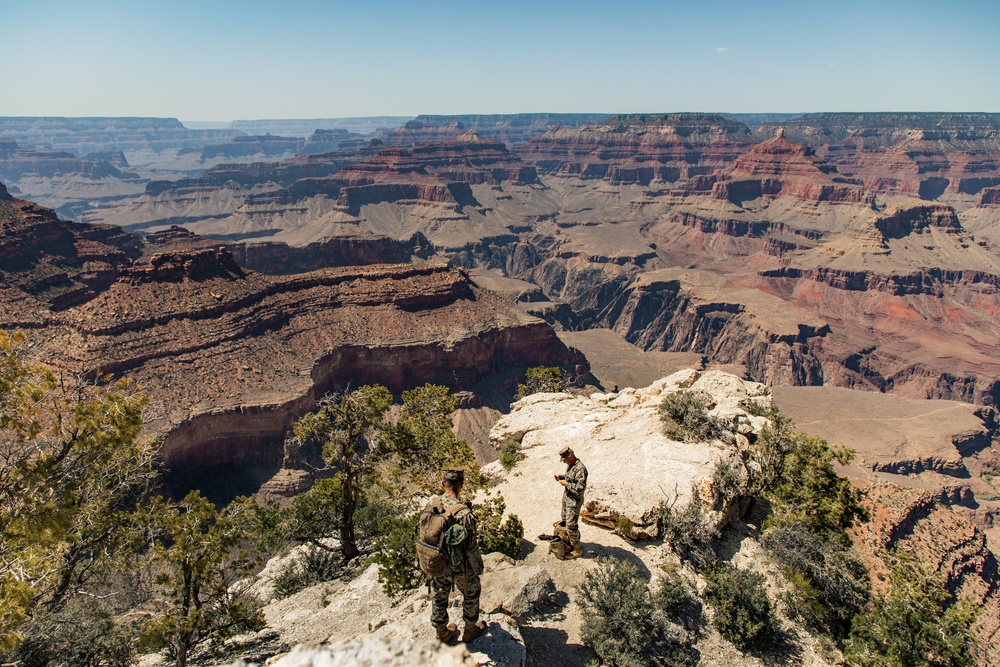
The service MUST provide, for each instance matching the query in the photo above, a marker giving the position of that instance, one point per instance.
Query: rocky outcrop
(17, 162)
(359, 613)
(634, 468)
(780, 167)
(59, 263)
(345, 250)
(375, 652)
(990, 197)
(942, 540)
(923, 155)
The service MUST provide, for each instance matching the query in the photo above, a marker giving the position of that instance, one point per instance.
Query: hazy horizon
(227, 60)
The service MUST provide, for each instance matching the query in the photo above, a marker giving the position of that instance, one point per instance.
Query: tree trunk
(348, 542)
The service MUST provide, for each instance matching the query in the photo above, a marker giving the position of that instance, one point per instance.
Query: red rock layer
(780, 167)
(58, 263)
(641, 148)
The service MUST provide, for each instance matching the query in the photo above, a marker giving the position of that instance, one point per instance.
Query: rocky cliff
(231, 357)
(57, 263)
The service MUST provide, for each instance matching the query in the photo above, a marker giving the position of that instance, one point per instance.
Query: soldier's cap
(564, 452)
(454, 475)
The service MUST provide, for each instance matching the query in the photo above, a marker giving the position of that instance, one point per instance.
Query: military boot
(473, 630)
(575, 552)
(446, 634)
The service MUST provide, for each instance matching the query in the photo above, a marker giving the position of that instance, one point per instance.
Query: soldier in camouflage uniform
(575, 481)
(465, 577)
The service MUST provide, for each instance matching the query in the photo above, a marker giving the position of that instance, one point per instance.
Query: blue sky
(223, 60)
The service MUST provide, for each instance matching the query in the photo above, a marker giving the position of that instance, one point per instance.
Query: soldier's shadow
(594, 550)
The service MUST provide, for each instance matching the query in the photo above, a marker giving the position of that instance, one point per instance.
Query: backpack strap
(455, 509)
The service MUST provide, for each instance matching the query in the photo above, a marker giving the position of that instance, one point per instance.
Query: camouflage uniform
(572, 502)
(465, 577)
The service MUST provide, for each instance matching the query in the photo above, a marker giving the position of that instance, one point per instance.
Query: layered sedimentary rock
(511, 129)
(925, 155)
(643, 148)
(245, 147)
(780, 167)
(49, 261)
(231, 357)
(914, 522)
(86, 135)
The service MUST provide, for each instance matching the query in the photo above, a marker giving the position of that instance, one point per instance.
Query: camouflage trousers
(468, 585)
(571, 517)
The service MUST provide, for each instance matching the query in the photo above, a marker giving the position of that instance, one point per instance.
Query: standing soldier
(448, 551)
(575, 481)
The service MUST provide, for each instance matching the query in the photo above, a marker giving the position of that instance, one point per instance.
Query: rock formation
(642, 148)
(634, 468)
(511, 129)
(231, 357)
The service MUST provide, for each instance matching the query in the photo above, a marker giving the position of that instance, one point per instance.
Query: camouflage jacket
(473, 557)
(576, 481)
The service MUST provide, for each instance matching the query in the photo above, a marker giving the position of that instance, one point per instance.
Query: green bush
(671, 596)
(743, 613)
(687, 530)
(685, 417)
(396, 554)
(754, 407)
(810, 490)
(316, 565)
(625, 527)
(829, 583)
(914, 624)
(510, 454)
(542, 379)
(726, 479)
(495, 533)
(622, 623)
(83, 634)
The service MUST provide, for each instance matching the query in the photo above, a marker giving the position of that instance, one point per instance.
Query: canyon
(848, 261)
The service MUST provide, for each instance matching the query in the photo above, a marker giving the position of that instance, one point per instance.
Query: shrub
(625, 527)
(754, 407)
(913, 623)
(742, 611)
(496, 534)
(621, 621)
(542, 379)
(396, 554)
(671, 596)
(316, 565)
(685, 417)
(726, 479)
(83, 634)
(687, 530)
(510, 454)
(809, 489)
(829, 583)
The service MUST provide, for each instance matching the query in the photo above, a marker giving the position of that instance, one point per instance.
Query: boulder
(513, 589)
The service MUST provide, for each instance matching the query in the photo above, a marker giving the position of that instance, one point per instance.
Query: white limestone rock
(633, 467)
